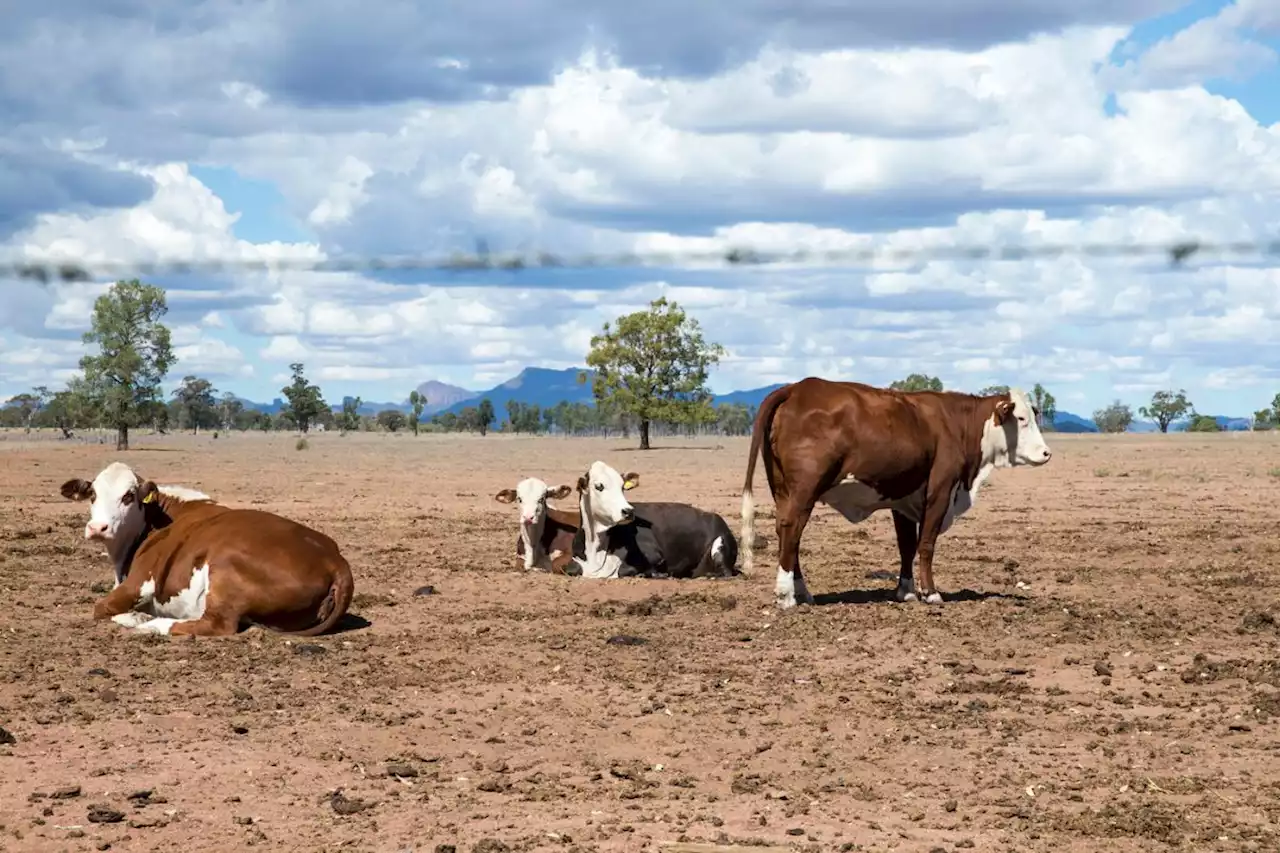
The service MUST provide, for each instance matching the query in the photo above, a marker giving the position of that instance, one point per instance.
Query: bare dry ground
(1104, 676)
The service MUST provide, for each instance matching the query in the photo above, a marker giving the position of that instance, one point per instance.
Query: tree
(134, 353)
(391, 419)
(992, 390)
(72, 408)
(1046, 404)
(229, 409)
(484, 416)
(195, 396)
(1166, 407)
(653, 366)
(28, 406)
(917, 382)
(349, 420)
(305, 401)
(1203, 423)
(1114, 418)
(1263, 419)
(419, 402)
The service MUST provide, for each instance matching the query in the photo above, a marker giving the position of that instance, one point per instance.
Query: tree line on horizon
(650, 377)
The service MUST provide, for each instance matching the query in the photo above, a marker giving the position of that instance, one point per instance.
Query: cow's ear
(77, 490)
(148, 493)
(583, 483)
(1004, 410)
(505, 496)
(559, 492)
(630, 481)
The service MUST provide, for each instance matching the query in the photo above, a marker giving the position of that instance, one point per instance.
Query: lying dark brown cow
(545, 541)
(186, 565)
(923, 455)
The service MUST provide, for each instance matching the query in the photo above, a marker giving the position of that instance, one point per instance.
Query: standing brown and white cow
(923, 455)
(186, 565)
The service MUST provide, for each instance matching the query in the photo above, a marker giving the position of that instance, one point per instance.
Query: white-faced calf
(545, 542)
(654, 539)
(186, 565)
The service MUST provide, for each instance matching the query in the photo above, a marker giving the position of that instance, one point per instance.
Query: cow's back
(850, 429)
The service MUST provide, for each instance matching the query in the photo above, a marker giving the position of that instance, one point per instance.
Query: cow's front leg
(908, 533)
(935, 509)
(119, 601)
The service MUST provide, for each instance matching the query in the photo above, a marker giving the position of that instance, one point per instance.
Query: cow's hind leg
(792, 516)
(714, 562)
(908, 540)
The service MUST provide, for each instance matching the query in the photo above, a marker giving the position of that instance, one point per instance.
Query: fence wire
(1177, 253)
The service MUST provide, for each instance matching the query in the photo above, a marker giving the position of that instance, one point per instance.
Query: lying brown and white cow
(186, 565)
(923, 455)
(546, 533)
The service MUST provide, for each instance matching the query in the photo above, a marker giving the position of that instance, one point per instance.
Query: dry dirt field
(1104, 676)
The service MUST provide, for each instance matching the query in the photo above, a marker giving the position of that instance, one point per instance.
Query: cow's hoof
(904, 594)
(934, 597)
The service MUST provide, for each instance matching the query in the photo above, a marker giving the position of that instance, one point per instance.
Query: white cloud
(837, 147)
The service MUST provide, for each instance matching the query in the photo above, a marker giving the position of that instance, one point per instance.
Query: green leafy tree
(484, 416)
(419, 402)
(28, 405)
(992, 390)
(1263, 419)
(917, 382)
(134, 354)
(349, 420)
(1166, 407)
(1114, 418)
(305, 401)
(1046, 404)
(652, 366)
(72, 408)
(195, 396)
(391, 419)
(1203, 423)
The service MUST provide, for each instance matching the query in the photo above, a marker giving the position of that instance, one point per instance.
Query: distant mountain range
(543, 387)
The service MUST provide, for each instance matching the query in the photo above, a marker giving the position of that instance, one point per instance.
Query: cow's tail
(334, 606)
(759, 440)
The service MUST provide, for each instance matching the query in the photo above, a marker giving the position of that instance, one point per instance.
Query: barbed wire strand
(1177, 253)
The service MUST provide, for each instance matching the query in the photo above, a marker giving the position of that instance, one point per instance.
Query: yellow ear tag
(628, 484)
(150, 498)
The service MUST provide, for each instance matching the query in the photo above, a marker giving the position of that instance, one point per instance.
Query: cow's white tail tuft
(748, 531)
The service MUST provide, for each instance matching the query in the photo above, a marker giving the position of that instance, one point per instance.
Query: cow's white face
(115, 512)
(1014, 434)
(600, 492)
(530, 496)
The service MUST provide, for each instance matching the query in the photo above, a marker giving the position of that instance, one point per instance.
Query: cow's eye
(126, 498)
(599, 487)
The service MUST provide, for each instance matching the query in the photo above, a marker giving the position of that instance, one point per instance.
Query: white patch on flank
(717, 550)
(186, 606)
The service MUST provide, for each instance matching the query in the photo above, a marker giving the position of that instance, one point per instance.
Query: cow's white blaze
(602, 506)
(115, 516)
(530, 497)
(1017, 441)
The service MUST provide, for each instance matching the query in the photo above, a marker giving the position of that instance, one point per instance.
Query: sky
(310, 130)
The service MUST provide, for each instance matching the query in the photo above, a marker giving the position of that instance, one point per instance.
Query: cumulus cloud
(577, 127)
